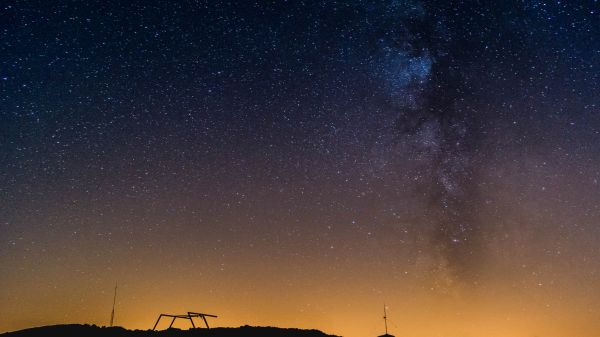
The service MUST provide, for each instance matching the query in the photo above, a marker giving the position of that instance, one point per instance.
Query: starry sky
(301, 163)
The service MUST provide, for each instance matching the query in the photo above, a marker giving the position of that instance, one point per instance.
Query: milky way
(416, 61)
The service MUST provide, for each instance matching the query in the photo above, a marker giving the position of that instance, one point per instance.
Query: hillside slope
(76, 330)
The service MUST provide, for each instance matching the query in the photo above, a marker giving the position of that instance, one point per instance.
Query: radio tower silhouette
(385, 322)
(112, 314)
(384, 318)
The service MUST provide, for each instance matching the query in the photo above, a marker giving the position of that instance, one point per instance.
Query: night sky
(301, 163)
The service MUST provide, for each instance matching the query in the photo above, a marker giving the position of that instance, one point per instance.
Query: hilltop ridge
(77, 330)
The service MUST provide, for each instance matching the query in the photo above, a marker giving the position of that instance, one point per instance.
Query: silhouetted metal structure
(385, 318)
(112, 314)
(187, 316)
(385, 322)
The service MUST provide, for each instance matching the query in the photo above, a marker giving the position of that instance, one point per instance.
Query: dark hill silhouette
(77, 330)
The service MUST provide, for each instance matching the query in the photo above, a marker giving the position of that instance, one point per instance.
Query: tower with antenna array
(385, 322)
(112, 314)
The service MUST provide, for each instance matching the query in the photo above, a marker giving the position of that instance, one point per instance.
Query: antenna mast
(112, 314)
(385, 319)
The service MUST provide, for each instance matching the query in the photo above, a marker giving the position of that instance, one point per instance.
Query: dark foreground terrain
(76, 330)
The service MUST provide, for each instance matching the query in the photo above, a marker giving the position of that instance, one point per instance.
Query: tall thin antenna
(112, 314)
(385, 318)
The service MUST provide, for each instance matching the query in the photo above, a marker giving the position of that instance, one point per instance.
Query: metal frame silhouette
(187, 316)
